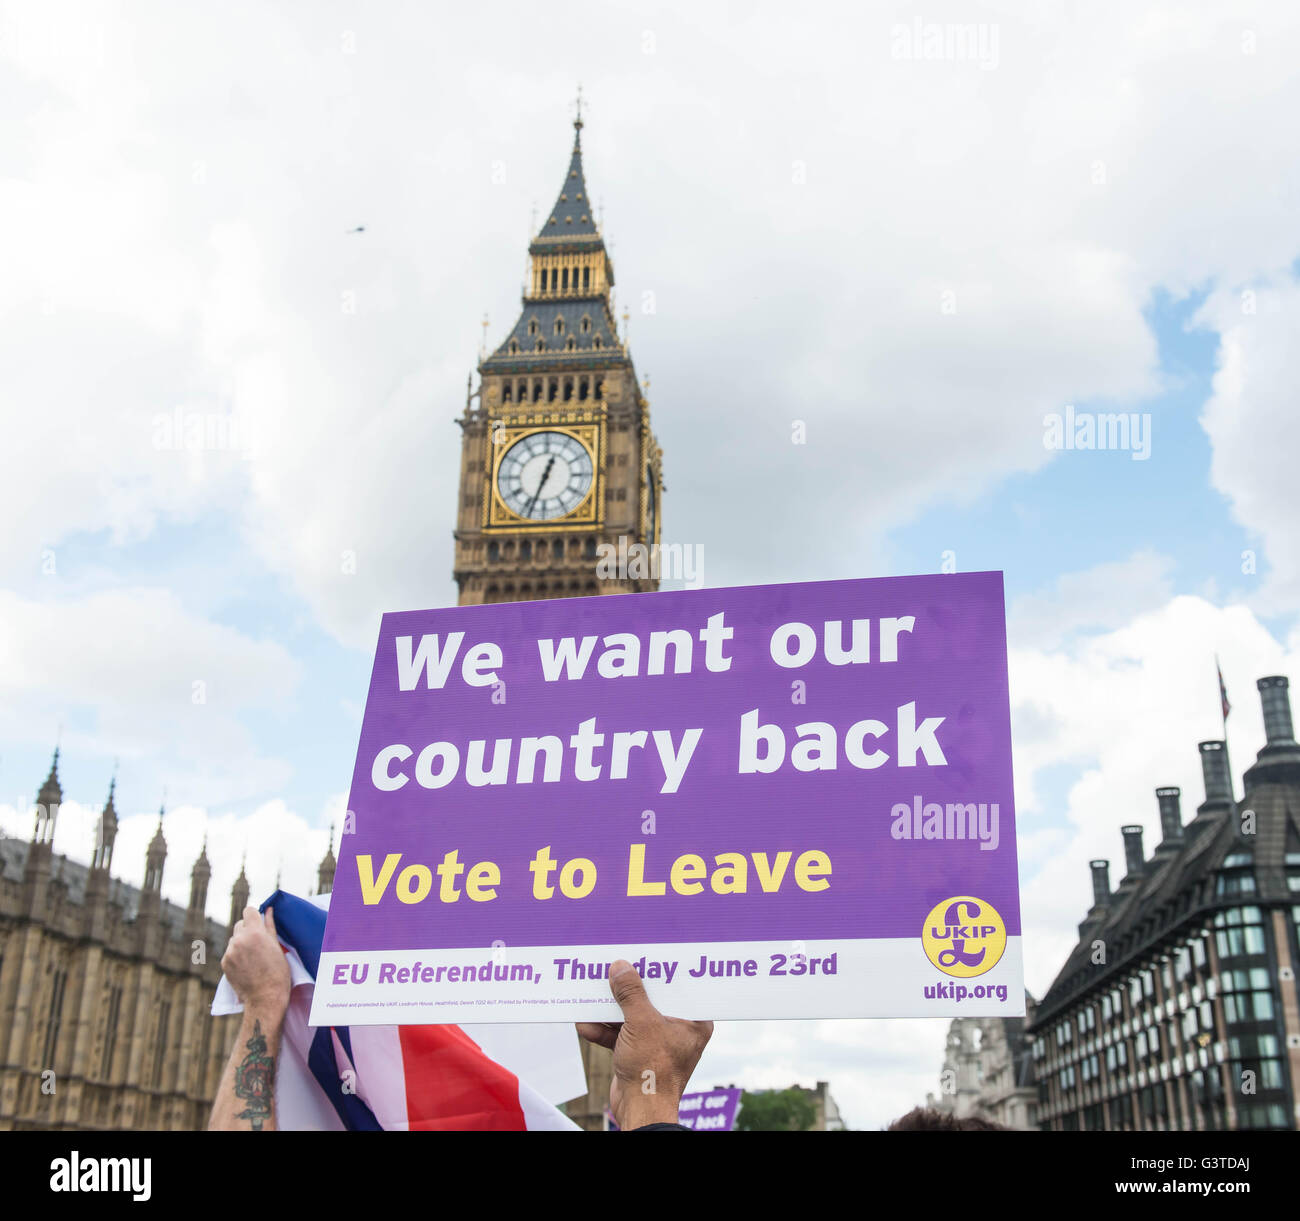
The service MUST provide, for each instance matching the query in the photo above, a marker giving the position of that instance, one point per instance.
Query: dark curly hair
(927, 1119)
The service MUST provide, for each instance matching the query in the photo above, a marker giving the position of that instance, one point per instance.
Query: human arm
(255, 965)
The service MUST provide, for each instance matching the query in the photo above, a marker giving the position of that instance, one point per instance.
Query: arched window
(514, 346)
(494, 551)
(526, 549)
(559, 326)
(557, 549)
(506, 393)
(582, 389)
(540, 345)
(570, 344)
(585, 325)
(532, 326)
(596, 343)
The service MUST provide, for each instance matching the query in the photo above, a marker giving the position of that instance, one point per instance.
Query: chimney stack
(1273, 695)
(1171, 814)
(1100, 882)
(1132, 850)
(1214, 766)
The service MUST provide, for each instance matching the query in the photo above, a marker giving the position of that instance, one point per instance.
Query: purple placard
(707, 1111)
(778, 801)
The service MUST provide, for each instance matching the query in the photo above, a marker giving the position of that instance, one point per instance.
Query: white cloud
(1252, 422)
(1103, 597)
(154, 683)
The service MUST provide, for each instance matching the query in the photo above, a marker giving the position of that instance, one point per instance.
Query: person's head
(928, 1119)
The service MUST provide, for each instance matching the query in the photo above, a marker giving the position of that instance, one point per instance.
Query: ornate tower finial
(239, 893)
(156, 856)
(577, 120)
(48, 801)
(103, 855)
(325, 874)
(199, 877)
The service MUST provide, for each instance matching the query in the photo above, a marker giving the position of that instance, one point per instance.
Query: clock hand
(546, 474)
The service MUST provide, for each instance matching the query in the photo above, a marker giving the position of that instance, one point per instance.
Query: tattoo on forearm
(255, 1080)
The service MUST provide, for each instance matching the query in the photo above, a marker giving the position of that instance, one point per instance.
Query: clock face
(545, 475)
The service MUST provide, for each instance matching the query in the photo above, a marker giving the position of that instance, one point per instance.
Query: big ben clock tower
(557, 455)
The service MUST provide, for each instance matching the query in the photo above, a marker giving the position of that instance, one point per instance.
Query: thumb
(629, 991)
(270, 921)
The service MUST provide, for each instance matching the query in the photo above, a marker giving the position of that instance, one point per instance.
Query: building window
(160, 1049)
(110, 1032)
(1239, 931)
(1247, 995)
(55, 1018)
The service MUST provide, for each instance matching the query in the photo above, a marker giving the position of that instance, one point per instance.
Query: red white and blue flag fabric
(407, 1078)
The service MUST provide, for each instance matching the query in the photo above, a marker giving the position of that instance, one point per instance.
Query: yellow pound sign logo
(964, 936)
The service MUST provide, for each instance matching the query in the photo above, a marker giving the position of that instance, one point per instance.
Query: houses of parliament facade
(105, 988)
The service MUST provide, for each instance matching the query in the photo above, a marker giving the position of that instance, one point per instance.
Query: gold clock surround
(498, 516)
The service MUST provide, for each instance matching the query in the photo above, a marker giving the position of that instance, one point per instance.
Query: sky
(912, 235)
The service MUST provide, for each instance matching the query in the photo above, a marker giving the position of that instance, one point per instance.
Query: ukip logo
(964, 936)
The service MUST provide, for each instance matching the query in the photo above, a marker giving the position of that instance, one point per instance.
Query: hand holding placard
(654, 1056)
